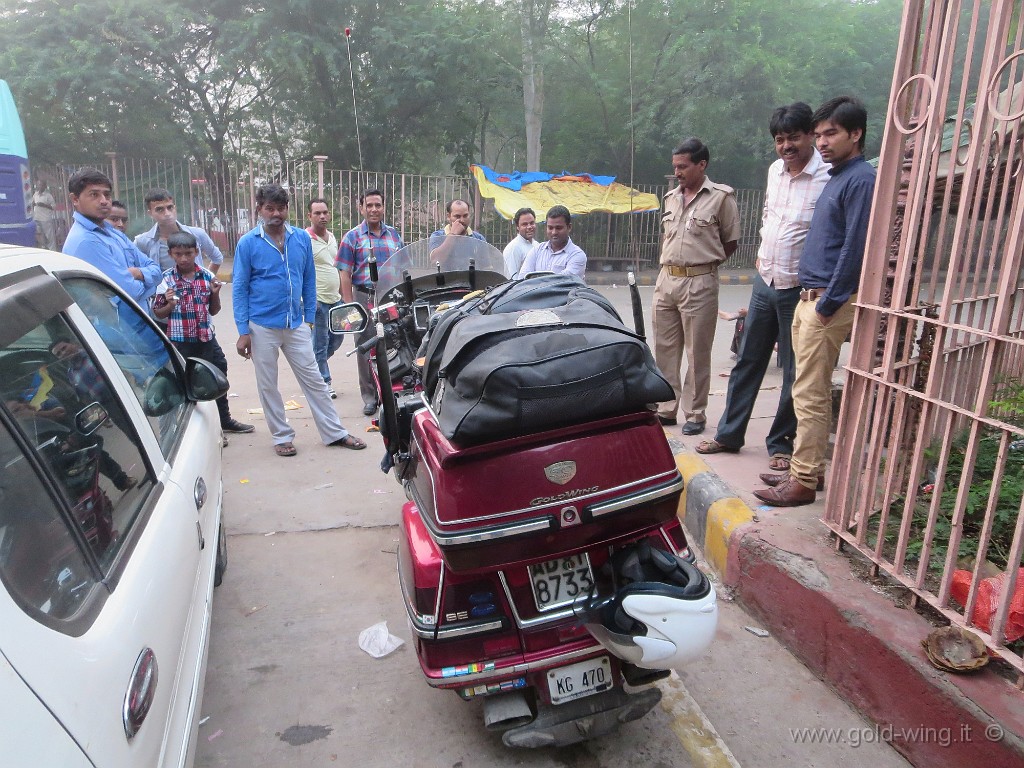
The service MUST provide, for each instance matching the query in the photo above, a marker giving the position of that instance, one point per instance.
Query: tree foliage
(438, 85)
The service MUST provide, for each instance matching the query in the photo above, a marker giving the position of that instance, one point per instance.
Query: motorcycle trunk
(499, 540)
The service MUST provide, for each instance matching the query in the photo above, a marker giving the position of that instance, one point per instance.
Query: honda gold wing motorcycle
(542, 563)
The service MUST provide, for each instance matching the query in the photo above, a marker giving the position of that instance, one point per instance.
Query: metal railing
(221, 199)
(928, 472)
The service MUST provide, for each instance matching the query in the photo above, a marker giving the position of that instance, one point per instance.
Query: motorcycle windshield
(444, 255)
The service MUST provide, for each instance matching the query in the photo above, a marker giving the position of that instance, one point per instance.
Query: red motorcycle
(542, 563)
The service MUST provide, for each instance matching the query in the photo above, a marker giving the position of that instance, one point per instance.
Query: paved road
(312, 543)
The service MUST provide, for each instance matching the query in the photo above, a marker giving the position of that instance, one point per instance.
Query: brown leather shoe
(772, 479)
(786, 494)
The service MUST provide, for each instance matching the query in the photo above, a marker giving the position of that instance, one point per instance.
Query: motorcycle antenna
(355, 111)
(632, 135)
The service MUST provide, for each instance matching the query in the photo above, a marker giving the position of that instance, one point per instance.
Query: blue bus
(16, 225)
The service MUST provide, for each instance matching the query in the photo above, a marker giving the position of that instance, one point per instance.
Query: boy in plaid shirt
(186, 298)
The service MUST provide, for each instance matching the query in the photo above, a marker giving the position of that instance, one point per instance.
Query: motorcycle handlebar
(364, 348)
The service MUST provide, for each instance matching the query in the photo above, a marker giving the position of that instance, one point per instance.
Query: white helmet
(662, 614)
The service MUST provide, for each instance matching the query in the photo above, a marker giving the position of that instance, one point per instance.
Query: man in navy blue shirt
(829, 274)
(441, 241)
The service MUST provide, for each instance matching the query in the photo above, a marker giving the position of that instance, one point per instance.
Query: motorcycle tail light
(425, 598)
(471, 653)
(475, 599)
(501, 646)
(419, 569)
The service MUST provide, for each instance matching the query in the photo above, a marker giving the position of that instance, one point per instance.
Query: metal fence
(221, 199)
(928, 476)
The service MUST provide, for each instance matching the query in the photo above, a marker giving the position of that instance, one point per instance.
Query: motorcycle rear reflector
(482, 605)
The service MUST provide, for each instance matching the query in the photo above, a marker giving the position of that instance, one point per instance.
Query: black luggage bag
(519, 371)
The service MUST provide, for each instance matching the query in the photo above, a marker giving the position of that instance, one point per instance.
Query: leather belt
(811, 294)
(361, 288)
(700, 269)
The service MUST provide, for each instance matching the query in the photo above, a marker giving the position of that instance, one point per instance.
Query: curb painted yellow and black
(709, 508)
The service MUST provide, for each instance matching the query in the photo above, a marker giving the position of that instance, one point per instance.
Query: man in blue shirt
(161, 209)
(829, 275)
(274, 297)
(458, 225)
(94, 240)
(559, 254)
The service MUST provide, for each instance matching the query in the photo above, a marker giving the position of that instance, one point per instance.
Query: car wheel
(221, 563)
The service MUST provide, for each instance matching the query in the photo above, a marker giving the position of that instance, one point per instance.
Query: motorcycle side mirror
(89, 419)
(347, 319)
(371, 263)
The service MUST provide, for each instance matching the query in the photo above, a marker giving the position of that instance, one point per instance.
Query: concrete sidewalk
(856, 633)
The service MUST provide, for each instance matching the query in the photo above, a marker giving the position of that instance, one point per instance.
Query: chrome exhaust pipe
(507, 710)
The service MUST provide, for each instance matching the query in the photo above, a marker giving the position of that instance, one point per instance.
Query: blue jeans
(325, 343)
(769, 320)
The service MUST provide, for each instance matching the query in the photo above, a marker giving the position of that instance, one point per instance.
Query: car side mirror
(162, 394)
(348, 319)
(204, 380)
(88, 419)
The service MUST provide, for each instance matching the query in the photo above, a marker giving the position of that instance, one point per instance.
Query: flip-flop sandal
(349, 441)
(713, 446)
(285, 449)
(778, 463)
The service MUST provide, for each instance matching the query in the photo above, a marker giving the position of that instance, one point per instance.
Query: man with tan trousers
(830, 268)
(701, 227)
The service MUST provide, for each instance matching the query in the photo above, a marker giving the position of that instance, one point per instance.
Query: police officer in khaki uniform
(701, 224)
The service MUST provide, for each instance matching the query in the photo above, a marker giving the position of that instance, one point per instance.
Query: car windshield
(452, 253)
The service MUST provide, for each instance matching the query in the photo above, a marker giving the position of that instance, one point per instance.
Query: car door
(40, 740)
(129, 623)
(188, 453)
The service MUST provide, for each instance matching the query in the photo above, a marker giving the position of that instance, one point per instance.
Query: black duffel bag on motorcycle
(494, 376)
(541, 292)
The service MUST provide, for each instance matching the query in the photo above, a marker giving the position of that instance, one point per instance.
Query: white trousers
(297, 346)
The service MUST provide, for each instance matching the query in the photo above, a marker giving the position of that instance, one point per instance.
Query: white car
(110, 523)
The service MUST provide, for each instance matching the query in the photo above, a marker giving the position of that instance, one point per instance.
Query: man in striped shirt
(371, 236)
(794, 182)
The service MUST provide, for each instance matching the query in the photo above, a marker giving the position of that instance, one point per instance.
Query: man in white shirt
(44, 213)
(559, 254)
(328, 287)
(795, 181)
(515, 252)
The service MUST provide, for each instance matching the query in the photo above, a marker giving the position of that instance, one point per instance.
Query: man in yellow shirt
(328, 286)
